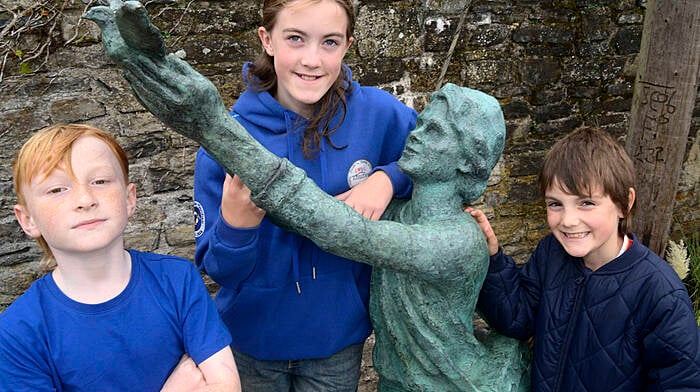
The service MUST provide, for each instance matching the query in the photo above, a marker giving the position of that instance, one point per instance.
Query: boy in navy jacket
(606, 313)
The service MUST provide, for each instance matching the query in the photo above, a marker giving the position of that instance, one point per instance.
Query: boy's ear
(25, 220)
(130, 199)
(631, 198)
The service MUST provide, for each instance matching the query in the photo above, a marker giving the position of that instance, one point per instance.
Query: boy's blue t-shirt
(132, 342)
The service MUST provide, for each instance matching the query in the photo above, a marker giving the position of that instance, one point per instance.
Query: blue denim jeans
(338, 373)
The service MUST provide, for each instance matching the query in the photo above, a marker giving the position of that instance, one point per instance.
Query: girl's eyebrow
(294, 30)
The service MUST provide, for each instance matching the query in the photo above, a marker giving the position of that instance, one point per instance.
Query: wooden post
(664, 96)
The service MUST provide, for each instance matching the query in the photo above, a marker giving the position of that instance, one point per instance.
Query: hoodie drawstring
(296, 241)
(295, 262)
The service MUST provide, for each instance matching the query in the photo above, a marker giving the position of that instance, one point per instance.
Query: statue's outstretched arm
(440, 251)
(190, 104)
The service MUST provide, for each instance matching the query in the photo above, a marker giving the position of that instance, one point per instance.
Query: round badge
(199, 219)
(359, 171)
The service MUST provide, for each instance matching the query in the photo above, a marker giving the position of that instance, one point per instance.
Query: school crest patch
(199, 219)
(359, 171)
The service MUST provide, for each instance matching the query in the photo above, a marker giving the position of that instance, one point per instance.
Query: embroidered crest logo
(199, 219)
(359, 171)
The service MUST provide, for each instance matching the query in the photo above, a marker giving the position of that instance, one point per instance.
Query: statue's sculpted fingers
(138, 32)
(145, 96)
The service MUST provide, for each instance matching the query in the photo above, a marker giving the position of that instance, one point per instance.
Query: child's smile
(575, 235)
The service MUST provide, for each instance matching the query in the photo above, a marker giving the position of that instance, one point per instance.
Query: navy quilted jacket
(629, 326)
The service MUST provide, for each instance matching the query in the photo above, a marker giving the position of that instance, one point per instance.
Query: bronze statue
(429, 259)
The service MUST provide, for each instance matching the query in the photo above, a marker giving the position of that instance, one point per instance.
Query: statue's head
(458, 137)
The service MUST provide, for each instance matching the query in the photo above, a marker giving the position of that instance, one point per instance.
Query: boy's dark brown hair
(588, 158)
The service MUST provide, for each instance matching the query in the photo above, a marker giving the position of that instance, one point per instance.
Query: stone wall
(553, 65)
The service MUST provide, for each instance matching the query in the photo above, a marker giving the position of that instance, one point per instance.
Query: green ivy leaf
(19, 53)
(24, 68)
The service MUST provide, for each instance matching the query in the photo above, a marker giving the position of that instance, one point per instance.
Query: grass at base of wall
(692, 282)
(684, 257)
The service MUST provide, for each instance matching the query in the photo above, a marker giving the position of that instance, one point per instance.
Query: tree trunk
(664, 96)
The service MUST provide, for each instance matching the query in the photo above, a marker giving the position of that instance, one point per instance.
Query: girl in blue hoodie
(298, 315)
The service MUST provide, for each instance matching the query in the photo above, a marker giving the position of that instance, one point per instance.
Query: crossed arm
(216, 373)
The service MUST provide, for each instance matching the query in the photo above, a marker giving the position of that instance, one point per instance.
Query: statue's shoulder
(458, 225)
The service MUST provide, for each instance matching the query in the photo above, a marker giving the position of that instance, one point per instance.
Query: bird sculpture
(126, 28)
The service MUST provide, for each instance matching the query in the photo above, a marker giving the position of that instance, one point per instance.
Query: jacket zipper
(580, 282)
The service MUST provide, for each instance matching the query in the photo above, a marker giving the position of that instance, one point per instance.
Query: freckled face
(307, 45)
(81, 214)
(586, 226)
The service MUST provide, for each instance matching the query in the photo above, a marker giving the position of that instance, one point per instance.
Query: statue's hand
(179, 96)
(127, 31)
(167, 86)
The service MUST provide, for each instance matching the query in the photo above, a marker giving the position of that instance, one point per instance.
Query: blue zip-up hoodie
(281, 296)
(628, 326)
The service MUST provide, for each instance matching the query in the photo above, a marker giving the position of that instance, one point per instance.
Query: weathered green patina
(429, 258)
